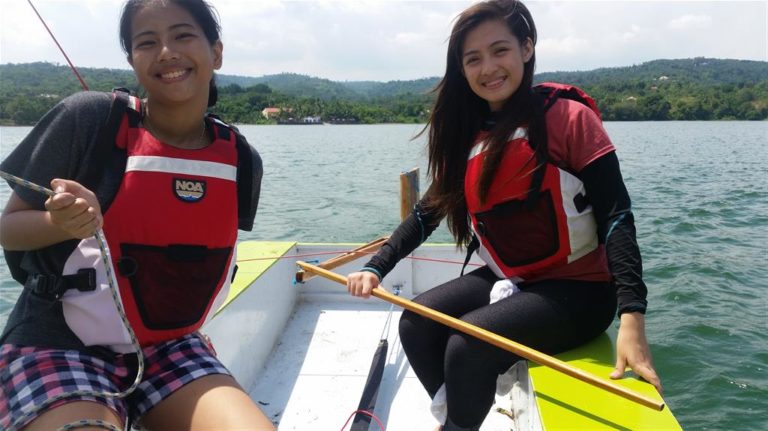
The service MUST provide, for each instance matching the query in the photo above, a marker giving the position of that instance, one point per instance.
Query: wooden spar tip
(335, 262)
(498, 341)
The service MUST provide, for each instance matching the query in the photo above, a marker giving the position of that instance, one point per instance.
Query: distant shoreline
(694, 89)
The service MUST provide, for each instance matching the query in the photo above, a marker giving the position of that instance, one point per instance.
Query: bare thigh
(73, 412)
(214, 402)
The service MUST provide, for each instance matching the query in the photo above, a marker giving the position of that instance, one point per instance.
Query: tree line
(244, 105)
(661, 90)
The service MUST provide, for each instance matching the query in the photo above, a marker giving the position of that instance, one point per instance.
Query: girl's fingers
(618, 370)
(649, 374)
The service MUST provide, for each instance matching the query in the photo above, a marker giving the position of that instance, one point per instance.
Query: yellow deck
(253, 259)
(569, 404)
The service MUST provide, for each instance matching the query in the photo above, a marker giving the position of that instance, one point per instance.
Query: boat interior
(304, 351)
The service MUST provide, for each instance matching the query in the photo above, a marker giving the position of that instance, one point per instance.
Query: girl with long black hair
(532, 182)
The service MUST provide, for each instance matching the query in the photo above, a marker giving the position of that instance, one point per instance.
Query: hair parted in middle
(201, 10)
(459, 113)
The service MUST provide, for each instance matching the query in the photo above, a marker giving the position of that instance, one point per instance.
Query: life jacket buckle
(53, 286)
(84, 280)
(43, 285)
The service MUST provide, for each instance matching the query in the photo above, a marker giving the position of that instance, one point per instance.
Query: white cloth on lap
(503, 289)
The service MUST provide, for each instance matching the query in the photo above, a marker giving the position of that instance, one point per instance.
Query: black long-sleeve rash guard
(616, 229)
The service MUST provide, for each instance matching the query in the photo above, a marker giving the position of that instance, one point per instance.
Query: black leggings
(550, 316)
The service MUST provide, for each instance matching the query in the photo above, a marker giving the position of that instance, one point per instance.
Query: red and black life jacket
(535, 215)
(171, 230)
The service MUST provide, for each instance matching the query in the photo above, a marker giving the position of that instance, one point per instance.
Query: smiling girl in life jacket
(535, 180)
(174, 187)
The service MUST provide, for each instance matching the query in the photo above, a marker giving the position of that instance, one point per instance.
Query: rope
(99, 235)
(322, 253)
(387, 323)
(72, 66)
(367, 413)
(22, 182)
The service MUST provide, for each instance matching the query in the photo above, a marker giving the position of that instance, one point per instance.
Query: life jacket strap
(471, 248)
(54, 286)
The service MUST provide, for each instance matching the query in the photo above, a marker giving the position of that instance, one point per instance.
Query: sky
(383, 40)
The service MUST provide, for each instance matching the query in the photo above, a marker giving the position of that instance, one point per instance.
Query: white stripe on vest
(181, 166)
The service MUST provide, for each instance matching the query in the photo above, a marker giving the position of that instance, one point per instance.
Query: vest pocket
(521, 233)
(172, 286)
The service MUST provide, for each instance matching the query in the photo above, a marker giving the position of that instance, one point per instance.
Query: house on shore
(270, 112)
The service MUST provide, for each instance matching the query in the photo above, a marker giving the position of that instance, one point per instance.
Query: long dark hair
(459, 113)
(204, 14)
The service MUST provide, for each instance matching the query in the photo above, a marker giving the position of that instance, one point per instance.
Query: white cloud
(384, 40)
(634, 33)
(690, 21)
(568, 45)
(408, 39)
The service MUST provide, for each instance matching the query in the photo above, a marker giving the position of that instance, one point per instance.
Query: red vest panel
(518, 237)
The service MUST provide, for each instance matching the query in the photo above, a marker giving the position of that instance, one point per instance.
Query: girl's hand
(362, 283)
(632, 350)
(75, 209)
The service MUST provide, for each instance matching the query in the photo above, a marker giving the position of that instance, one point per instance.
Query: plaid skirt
(30, 376)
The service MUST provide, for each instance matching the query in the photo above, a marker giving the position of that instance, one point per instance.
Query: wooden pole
(409, 191)
(498, 341)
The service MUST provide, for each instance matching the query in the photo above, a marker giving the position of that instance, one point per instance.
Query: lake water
(700, 197)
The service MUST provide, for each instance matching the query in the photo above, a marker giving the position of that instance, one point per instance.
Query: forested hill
(686, 89)
(704, 71)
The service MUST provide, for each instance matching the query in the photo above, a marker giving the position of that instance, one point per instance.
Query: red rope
(321, 253)
(367, 413)
(72, 66)
(291, 256)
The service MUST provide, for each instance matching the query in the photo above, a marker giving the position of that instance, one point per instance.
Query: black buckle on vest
(53, 286)
(84, 280)
(43, 285)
